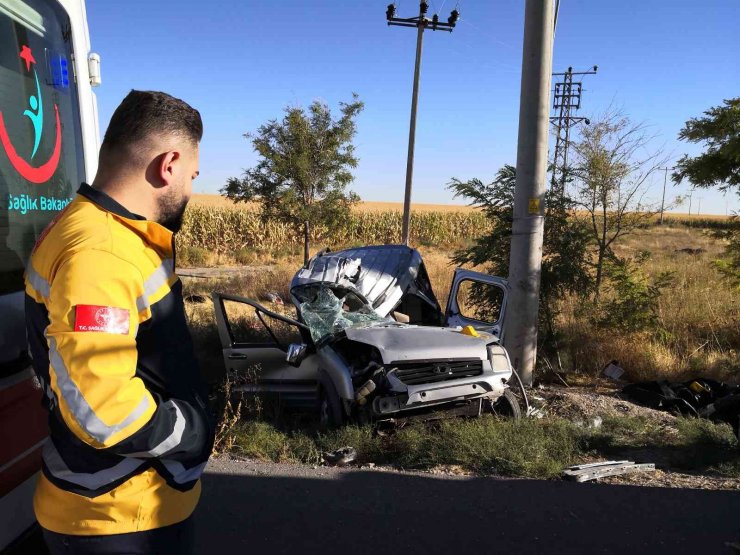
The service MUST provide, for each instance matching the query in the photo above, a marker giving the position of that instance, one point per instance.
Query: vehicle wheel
(507, 406)
(331, 414)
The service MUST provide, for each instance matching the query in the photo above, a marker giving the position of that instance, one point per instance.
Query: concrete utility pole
(566, 98)
(662, 202)
(421, 22)
(525, 261)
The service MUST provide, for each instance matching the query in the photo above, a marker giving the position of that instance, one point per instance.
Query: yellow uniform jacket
(129, 430)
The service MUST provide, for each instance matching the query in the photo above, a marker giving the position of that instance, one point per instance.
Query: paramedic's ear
(168, 163)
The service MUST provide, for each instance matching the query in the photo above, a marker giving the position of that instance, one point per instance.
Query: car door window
(480, 301)
(254, 341)
(250, 326)
(477, 300)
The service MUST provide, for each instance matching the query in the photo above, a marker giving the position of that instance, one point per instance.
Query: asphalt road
(259, 508)
(262, 508)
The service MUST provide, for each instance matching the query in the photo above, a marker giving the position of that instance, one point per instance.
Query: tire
(331, 415)
(506, 406)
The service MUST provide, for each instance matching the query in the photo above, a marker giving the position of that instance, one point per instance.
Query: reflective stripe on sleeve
(92, 480)
(80, 408)
(183, 475)
(171, 441)
(159, 277)
(36, 281)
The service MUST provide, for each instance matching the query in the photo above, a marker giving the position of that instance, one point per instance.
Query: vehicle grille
(432, 371)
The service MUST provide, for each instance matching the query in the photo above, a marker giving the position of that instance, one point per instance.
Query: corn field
(225, 230)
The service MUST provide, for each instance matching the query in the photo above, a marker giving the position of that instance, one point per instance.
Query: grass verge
(489, 446)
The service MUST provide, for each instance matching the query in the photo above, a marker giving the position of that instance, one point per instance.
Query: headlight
(499, 358)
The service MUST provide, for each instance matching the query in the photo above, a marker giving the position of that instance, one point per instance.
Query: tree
(565, 259)
(633, 307)
(719, 165)
(611, 167)
(303, 169)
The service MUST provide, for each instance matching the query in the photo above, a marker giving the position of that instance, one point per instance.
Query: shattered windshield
(326, 313)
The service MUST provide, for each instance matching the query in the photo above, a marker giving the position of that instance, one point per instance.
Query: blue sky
(240, 63)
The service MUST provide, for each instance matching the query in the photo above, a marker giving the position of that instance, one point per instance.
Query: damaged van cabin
(370, 340)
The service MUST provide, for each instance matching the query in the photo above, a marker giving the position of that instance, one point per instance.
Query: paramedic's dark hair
(143, 113)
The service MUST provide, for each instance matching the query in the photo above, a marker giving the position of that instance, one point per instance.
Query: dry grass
(370, 206)
(669, 216)
(362, 206)
(202, 199)
(699, 312)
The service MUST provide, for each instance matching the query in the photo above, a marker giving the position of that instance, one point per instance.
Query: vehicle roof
(386, 272)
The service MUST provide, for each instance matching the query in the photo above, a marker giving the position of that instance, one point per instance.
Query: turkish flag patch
(108, 319)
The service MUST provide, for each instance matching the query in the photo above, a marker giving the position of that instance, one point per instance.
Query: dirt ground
(585, 405)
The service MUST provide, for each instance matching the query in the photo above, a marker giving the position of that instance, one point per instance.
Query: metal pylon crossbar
(566, 100)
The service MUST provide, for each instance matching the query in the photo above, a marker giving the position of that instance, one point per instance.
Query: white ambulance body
(49, 142)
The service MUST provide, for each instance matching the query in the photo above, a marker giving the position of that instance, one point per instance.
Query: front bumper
(489, 384)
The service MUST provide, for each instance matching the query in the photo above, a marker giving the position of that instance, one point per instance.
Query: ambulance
(49, 141)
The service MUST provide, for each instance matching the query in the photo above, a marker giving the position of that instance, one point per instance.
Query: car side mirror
(297, 352)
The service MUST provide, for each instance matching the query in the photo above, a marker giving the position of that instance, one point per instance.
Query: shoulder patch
(108, 319)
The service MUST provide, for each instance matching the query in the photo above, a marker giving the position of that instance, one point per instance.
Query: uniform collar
(155, 233)
(106, 202)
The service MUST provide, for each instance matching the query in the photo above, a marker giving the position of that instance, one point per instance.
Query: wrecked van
(370, 340)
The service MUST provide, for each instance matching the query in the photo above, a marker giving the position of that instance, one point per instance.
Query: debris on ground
(613, 370)
(341, 457)
(595, 471)
(584, 404)
(700, 397)
(672, 479)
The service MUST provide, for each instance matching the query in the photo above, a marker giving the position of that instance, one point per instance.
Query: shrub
(192, 255)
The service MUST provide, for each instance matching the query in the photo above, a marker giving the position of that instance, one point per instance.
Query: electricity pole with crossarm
(421, 23)
(566, 98)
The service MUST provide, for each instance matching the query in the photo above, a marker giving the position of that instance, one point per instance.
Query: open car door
(477, 300)
(255, 342)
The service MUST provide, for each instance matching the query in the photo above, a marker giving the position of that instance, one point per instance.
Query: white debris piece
(613, 370)
(594, 471)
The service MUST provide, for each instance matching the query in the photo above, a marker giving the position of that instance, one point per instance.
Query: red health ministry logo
(108, 319)
(43, 172)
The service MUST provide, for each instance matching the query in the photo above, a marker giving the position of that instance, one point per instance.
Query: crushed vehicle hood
(380, 274)
(402, 342)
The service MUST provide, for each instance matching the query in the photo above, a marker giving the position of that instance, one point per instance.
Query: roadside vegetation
(659, 300)
(259, 428)
(489, 446)
(698, 312)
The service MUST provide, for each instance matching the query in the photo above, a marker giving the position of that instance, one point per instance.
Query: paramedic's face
(172, 204)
